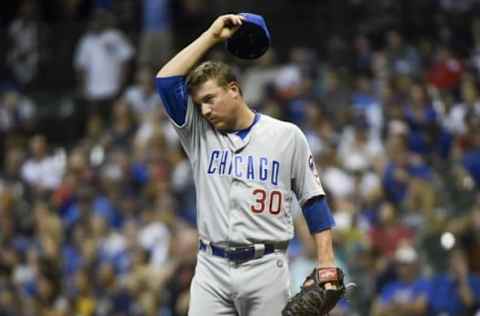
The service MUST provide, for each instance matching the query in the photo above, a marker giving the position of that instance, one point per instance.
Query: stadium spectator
(422, 121)
(469, 106)
(407, 293)
(446, 70)
(27, 35)
(142, 97)
(17, 112)
(366, 104)
(123, 126)
(43, 171)
(402, 58)
(358, 148)
(101, 60)
(389, 233)
(455, 292)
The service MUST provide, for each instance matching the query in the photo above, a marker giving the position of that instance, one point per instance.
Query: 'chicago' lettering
(248, 167)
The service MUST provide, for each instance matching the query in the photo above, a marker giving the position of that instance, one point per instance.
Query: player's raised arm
(220, 30)
(171, 79)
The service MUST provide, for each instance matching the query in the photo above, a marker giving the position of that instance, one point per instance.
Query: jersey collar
(244, 132)
(241, 138)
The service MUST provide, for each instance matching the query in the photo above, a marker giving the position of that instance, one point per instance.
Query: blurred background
(97, 213)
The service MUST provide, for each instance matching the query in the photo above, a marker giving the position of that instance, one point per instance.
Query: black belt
(242, 253)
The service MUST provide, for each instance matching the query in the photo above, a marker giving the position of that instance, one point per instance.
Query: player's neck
(245, 118)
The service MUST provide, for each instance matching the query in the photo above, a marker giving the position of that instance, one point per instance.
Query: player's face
(218, 104)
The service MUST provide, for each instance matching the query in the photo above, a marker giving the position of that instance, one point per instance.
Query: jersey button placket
(230, 210)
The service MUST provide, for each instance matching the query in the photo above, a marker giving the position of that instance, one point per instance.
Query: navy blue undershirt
(244, 132)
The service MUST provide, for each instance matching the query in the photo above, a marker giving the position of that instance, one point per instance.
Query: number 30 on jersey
(267, 201)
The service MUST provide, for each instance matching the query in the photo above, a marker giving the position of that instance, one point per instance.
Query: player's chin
(220, 126)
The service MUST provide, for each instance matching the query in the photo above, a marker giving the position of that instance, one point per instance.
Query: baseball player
(247, 167)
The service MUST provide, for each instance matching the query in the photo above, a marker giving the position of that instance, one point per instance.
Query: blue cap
(251, 40)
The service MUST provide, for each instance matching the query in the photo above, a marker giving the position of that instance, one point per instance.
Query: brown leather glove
(314, 299)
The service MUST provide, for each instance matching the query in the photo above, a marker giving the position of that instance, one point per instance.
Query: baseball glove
(314, 299)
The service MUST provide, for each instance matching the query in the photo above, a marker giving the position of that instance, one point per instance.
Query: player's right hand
(225, 26)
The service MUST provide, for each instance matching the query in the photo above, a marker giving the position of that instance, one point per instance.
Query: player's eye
(207, 99)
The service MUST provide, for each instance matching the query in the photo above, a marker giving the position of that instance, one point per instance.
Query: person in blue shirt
(455, 292)
(403, 170)
(407, 294)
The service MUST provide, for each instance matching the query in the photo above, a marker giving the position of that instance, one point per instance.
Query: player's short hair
(223, 73)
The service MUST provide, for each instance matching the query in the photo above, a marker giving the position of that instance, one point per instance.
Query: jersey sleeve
(305, 179)
(180, 110)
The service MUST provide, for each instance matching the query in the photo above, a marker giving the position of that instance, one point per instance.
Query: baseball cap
(251, 40)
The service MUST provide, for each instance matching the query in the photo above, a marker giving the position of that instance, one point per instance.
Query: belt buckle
(259, 250)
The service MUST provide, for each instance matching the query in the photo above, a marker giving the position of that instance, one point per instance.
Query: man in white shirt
(101, 59)
(41, 171)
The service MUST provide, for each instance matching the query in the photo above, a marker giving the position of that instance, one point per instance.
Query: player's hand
(225, 26)
(320, 292)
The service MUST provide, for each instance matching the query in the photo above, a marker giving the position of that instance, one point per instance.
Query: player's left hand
(319, 294)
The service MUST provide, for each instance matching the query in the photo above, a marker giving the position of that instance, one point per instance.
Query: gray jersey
(245, 187)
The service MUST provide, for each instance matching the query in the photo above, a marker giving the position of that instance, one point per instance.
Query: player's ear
(234, 88)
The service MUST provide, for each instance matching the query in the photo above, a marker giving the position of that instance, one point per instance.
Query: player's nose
(206, 110)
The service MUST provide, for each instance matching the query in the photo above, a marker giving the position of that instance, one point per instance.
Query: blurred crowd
(97, 202)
